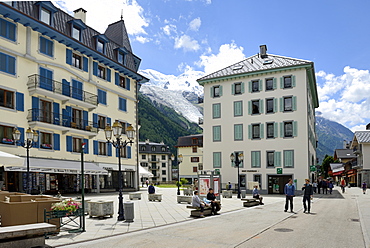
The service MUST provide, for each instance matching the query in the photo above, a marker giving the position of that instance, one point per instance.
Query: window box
(7, 141)
(46, 146)
(73, 124)
(88, 128)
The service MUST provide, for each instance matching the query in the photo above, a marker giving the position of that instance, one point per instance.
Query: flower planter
(100, 208)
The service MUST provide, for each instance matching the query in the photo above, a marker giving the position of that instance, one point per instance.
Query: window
(270, 159)
(76, 144)
(238, 132)
(77, 61)
(217, 133)
(6, 98)
(257, 178)
(217, 160)
(216, 110)
(194, 159)
(270, 105)
(101, 72)
(102, 148)
(238, 89)
(269, 84)
(270, 130)
(216, 91)
(122, 104)
(45, 16)
(6, 135)
(238, 108)
(255, 86)
(122, 82)
(102, 121)
(46, 46)
(163, 157)
(143, 148)
(123, 152)
(100, 46)
(153, 150)
(287, 82)
(288, 129)
(76, 32)
(102, 96)
(255, 107)
(163, 149)
(289, 158)
(7, 63)
(195, 169)
(195, 149)
(46, 141)
(45, 111)
(163, 172)
(256, 131)
(288, 105)
(256, 159)
(7, 29)
(144, 164)
(163, 165)
(121, 58)
(143, 156)
(124, 125)
(194, 141)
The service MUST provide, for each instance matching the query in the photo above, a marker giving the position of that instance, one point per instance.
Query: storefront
(109, 181)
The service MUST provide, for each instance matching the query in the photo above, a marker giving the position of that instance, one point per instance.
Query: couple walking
(289, 191)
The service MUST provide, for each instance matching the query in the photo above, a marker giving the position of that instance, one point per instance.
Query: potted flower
(65, 207)
(7, 141)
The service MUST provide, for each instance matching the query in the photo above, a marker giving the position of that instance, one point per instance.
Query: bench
(135, 195)
(227, 194)
(155, 197)
(29, 235)
(196, 211)
(250, 202)
(184, 198)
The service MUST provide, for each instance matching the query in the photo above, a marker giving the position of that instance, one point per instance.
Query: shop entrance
(12, 181)
(276, 183)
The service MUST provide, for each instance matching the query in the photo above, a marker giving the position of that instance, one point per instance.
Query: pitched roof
(118, 33)
(188, 140)
(345, 153)
(254, 64)
(363, 136)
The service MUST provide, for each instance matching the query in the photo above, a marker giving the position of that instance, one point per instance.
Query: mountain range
(172, 101)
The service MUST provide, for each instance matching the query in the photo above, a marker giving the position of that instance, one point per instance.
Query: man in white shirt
(196, 202)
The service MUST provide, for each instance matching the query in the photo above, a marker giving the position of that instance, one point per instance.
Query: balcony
(61, 91)
(154, 159)
(41, 118)
(154, 167)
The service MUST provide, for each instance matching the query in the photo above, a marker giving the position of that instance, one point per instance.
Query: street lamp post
(179, 161)
(31, 137)
(238, 159)
(118, 143)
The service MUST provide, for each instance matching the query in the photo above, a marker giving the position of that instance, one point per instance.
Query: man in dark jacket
(215, 205)
(151, 189)
(307, 195)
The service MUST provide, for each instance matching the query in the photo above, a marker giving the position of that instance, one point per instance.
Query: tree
(326, 165)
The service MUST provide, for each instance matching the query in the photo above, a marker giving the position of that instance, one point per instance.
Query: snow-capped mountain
(180, 93)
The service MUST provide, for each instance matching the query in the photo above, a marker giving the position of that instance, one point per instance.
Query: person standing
(289, 191)
(343, 184)
(314, 186)
(307, 195)
(147, 182)
(330, 186)
(325, 186)
(364, 186)
(319, 186)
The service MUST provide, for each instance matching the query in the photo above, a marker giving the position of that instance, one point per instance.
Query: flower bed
(68, 206)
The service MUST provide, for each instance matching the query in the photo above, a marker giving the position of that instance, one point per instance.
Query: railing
(60, 120)
(154, 159)
(37, 81)
(154, 167)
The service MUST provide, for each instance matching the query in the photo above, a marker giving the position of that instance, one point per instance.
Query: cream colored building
(67, 81)
(361, 148)
(191, 149)
(263, 107)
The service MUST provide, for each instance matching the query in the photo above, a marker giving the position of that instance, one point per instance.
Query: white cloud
(228, 54)
(345, 98)
(142, 39)
(187, 43)
(194, 25)
(168, 29)
(98, 19)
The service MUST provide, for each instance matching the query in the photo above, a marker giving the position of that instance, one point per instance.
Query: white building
(263, 107)
(361, 148)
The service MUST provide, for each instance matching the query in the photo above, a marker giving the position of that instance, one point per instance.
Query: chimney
(80, 14)
(368, 126)
(263, 50)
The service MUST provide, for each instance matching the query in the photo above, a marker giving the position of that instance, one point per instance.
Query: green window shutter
(261, 106)
(281, 129)
(288, 159)
(293, 80)
(216, 133)
(217, 160)
(249, 131)
(282, 83)
(233, 89)
(294, 103)
(250, 86)
(238, 132)
(212, 92)
(258, 159)
(243, 87)
(281, 104)
(274, 84)
(260, 85)
(253, 157)
(275, 105)
(220, 90)
(277, 159)
(262, 131)
(295, 128)
(238, 109)
(276, 127)
(249, 107)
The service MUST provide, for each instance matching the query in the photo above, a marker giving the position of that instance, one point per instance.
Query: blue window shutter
(56, 143)
(64, 118)
(86, 149)
(108, 75)
(96, 147)
(77, 91)
(69, 116)
(56, 117)
(21, 139)
(95, 120)
(69, 56)
(128, 83)
(261, 106)
(66, 89)
(275, 105)
(117, 81)
(128, 151)
(95, 68)
(277, 159)
(109, 146)
(109, 121)
(20, 101)
(262, 130)
(35, 108)
(99, 96)
(260, 85)
(85, 119)
(282, 83)
(69, 143)
(37, 143)
(8, 30)
(85, 64)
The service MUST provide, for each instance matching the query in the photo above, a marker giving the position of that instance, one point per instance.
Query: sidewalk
(148, 214)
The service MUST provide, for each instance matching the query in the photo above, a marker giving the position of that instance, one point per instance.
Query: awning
(114, 167)
(7, 159)
(351, 172)
(58, 166)
(338, 173)
(144, 172)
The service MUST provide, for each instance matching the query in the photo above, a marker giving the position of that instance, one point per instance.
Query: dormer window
(121, 54)
(45, 16)
(77, 26)
(121, 58)
(101, 41)
(76, 33)
(100, 46)
(46, 12)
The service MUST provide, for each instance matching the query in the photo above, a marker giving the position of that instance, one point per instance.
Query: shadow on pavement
(335, 194)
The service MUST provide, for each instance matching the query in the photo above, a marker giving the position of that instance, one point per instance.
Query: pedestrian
(196, 202)
(151, 189)
(228, 186)
(330, 186)
(147, 182)
(289, 191)
(307, 196)
(319, 186)
(343, 185)
(364, 186)
(314, 186)
(325, 186)
(256, 195)
(215, 205)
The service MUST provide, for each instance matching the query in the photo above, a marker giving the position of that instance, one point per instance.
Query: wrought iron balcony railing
(36, 81)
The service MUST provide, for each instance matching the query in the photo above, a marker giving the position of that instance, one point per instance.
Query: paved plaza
(337, 220)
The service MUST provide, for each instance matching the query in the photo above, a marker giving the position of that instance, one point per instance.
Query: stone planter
(188, 191)
(135, 195)
(183, 198)
(100, 208)
(155, 197)
(227, 194)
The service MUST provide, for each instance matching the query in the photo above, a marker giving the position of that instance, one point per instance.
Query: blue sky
(174, 36)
